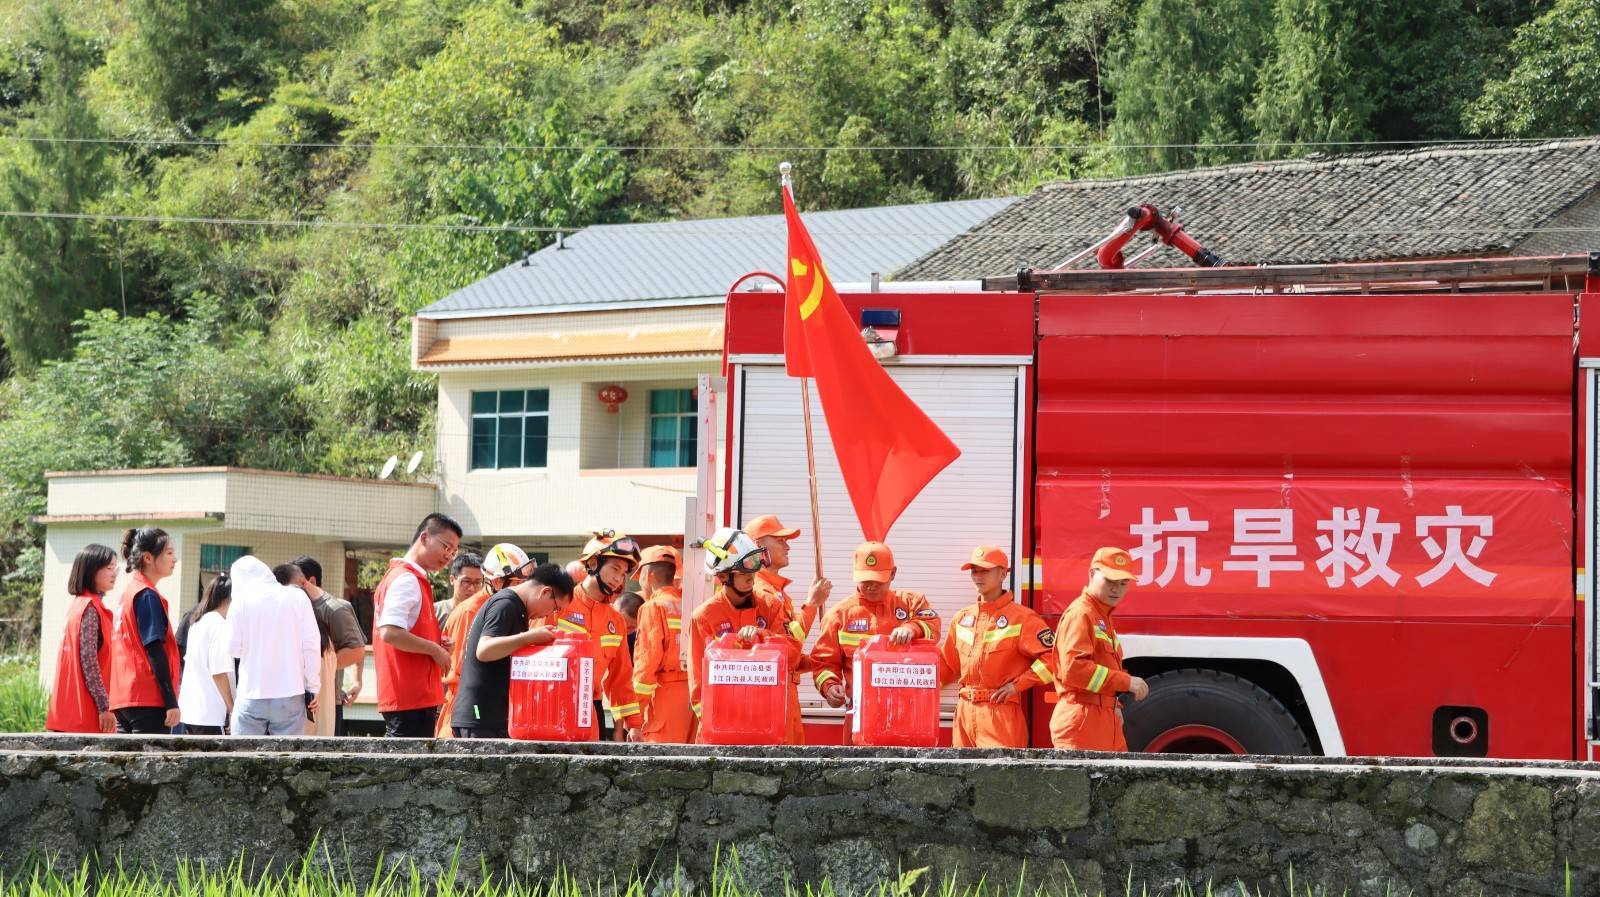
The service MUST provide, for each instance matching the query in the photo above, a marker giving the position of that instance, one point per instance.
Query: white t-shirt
(199, 702)
(403, 601)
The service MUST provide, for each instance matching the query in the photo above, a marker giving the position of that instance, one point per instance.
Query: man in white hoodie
(275, 638)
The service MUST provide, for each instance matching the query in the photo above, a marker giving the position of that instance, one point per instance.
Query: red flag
(888, 450)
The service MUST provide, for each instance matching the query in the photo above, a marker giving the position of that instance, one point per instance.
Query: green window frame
(218, 558)
(510, 429)
(674, 427)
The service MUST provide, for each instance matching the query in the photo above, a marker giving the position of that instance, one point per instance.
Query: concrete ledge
(854, 815)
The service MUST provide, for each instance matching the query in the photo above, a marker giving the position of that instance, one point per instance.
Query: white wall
(565, 498)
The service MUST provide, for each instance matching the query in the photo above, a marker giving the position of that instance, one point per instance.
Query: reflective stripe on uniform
(610, 641)
(674, 623)
(695, 708)
(1102, 636)
(1042, 670)
(964, 635)
(625, 710)
(1000, 635)
(927, 629)
(568, 626)
(824, 677)
(1098, 680)
(853, 639)
(796, 631)
(643, 688)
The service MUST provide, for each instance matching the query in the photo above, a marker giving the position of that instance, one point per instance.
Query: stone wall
(854, 815)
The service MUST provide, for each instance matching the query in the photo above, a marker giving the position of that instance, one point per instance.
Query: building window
(673, 423)
(218, 558)
(510, 429)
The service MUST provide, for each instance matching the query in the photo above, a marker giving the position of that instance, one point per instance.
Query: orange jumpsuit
(456, 627)
(658, 675)
(848, 624)
(989, 644)
(769, 583)
(717, 616)
(1089, 674)
(608, 630)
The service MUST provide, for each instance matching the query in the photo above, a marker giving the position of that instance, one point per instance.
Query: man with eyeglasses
(466, 580)
(733, 559)
(409, 654)
(874, 609)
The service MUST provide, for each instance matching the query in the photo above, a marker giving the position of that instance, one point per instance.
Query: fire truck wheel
(1208, 712)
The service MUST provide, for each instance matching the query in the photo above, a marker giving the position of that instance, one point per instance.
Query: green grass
(22, 698)
(313, 879)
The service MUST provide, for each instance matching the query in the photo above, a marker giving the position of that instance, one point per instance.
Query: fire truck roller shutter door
(974, 501)
(1200, 711)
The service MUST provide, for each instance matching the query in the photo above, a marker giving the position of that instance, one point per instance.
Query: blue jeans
(270, 716)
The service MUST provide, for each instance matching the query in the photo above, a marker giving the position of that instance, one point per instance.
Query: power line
(783, 148)
(714, 231)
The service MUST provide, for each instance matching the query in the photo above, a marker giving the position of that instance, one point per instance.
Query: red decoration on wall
(613, 396)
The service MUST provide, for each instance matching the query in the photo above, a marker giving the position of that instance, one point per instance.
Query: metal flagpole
(805, 415)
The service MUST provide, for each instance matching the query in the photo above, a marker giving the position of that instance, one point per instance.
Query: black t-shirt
(483, 692)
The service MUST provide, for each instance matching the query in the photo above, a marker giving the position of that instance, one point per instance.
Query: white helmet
(503, 560)
(730, 549)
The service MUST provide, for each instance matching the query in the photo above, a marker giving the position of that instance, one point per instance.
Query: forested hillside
(229, 209)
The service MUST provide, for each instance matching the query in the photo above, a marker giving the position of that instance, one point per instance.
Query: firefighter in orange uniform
(997, 649)
(607, 561)
(659, 678)
(733, 559)
(503, 561)
(1089, 671)
(874, 609)
(773, 536)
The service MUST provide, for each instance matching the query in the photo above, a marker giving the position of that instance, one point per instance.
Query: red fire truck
(1357, 495)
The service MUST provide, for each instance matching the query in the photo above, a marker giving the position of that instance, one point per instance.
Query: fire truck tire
(1205, 711)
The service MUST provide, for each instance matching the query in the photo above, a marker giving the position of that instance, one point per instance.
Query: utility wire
(780, 148)
(713, 230)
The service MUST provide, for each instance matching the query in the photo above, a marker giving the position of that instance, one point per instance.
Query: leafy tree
(1553, 86)
(1368, 69)
(51, 269)
(1185, 75)
(194, 66)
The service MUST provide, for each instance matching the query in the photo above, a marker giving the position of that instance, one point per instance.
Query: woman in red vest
(80, 701)
(144, 654)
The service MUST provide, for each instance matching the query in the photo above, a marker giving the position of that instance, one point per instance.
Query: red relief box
(744, 698)
(552, 691)
(895, 694)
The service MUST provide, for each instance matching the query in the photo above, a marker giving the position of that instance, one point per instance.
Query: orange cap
(768, 525)
(661, 554)
(1115, 562)
(874, 562)
(987, 557)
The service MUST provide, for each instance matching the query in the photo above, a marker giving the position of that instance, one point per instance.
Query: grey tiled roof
(698, 259)
(1440, 202)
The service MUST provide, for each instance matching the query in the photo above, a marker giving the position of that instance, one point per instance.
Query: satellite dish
(388, 467)
(416, 459)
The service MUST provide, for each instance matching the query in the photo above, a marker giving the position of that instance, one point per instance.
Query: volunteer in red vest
(608, 559)
(80, 702)
(733, 559)
(408, 655)
(1089, 669)
(659, 677)
(996, 649)
(774, 537)
(874, 609)
(144, 652)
